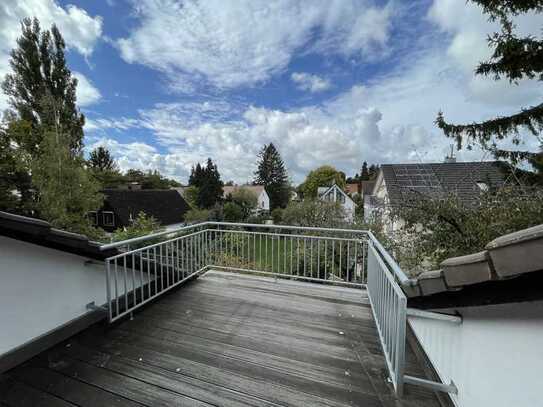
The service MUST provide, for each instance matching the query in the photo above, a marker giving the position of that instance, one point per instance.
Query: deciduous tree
(324, 176)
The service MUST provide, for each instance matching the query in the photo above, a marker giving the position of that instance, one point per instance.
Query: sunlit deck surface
(224, 340)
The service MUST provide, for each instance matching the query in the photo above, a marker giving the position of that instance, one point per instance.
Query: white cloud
(311, 83)
(390, 118)
(87, 94)
(80, 30)
(230, 44)
(469, 29)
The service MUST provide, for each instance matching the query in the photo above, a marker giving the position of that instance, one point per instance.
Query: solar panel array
(417, 179)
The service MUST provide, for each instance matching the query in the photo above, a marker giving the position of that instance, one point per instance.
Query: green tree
(324, 176)
(15, 182)
(48, 128)
(436, 229)
(142, 225)
(196, 215)
(372, 171)
(233, 212)
(191, 196)
(364, 173)
(100, 159)
(208, 181)
(67, 191)
(314, 213)
(245, 199)
(272, 174)
(39, 79)
(515, 58)
(104, 168)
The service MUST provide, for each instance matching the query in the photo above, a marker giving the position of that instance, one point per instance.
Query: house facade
(336, 194)
(262, 197)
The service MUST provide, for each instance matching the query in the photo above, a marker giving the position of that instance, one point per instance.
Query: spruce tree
(208, 182)
(514, 58)
(100, 159)
(272, 174)
(364, 173)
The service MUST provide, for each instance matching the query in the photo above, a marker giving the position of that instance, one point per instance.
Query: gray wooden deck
(222, 340)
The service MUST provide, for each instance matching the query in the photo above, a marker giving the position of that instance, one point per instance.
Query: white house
(263, 200)
(336, 194)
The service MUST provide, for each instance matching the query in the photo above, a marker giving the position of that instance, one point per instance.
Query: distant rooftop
(466, 179)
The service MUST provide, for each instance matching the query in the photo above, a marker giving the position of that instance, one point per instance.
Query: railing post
(400, 345)
(108, 291)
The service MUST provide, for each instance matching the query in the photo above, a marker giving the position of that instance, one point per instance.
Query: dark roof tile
(404, 181)
(166, 206)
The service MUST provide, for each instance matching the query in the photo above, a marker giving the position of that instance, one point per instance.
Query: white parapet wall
(494, 357)
(41, 289)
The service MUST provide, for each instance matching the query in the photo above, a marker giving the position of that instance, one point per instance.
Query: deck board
(225, 340)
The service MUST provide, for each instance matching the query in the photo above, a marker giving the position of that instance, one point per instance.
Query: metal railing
(389, 307)
(138, 276)
(339, 260)
(325, 255)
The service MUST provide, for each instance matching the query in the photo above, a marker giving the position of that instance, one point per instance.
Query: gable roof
(322, 191)
(405, 181)
(167, 206)
(256, 189)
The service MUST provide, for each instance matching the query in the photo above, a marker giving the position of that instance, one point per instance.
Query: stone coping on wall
(505, 257)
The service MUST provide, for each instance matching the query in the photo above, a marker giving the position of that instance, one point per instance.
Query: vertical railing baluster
(318, 258)
(108, 291)
(325, 259)
(125, 283)
(133, 278)
(116, 289)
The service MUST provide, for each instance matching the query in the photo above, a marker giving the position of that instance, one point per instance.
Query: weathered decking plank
(223, 340)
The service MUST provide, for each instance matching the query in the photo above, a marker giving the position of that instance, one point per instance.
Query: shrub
(233, 212)
(196, 215)
(140, 226)
(245, 199)
(277, 215)
(441, 228)
(314, 213)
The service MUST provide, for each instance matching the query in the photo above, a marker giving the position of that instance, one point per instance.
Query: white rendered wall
(41, 289)
(263, 201)
(495, 357)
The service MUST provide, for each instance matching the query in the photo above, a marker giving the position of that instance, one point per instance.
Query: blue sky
(166, 83)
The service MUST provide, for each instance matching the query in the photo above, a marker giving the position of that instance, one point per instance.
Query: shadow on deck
(224, 340)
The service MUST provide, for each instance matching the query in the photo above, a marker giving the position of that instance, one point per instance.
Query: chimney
(450, 158)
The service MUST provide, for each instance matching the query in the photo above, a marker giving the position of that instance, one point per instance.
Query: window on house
(341, 198)
(93, 218)
(108, 218)
(483, 186)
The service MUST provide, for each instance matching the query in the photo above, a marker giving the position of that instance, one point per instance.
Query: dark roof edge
(524, 288)
(40, 232)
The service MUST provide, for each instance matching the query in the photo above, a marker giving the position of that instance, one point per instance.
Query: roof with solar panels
(466, 180)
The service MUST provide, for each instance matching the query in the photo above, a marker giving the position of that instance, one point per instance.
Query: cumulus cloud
(87, 94)
(388, 118)
(311, 83)
(230, 44)
(80, 30)
(469, 29)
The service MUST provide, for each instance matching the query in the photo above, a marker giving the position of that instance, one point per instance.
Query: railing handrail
(398, 272)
